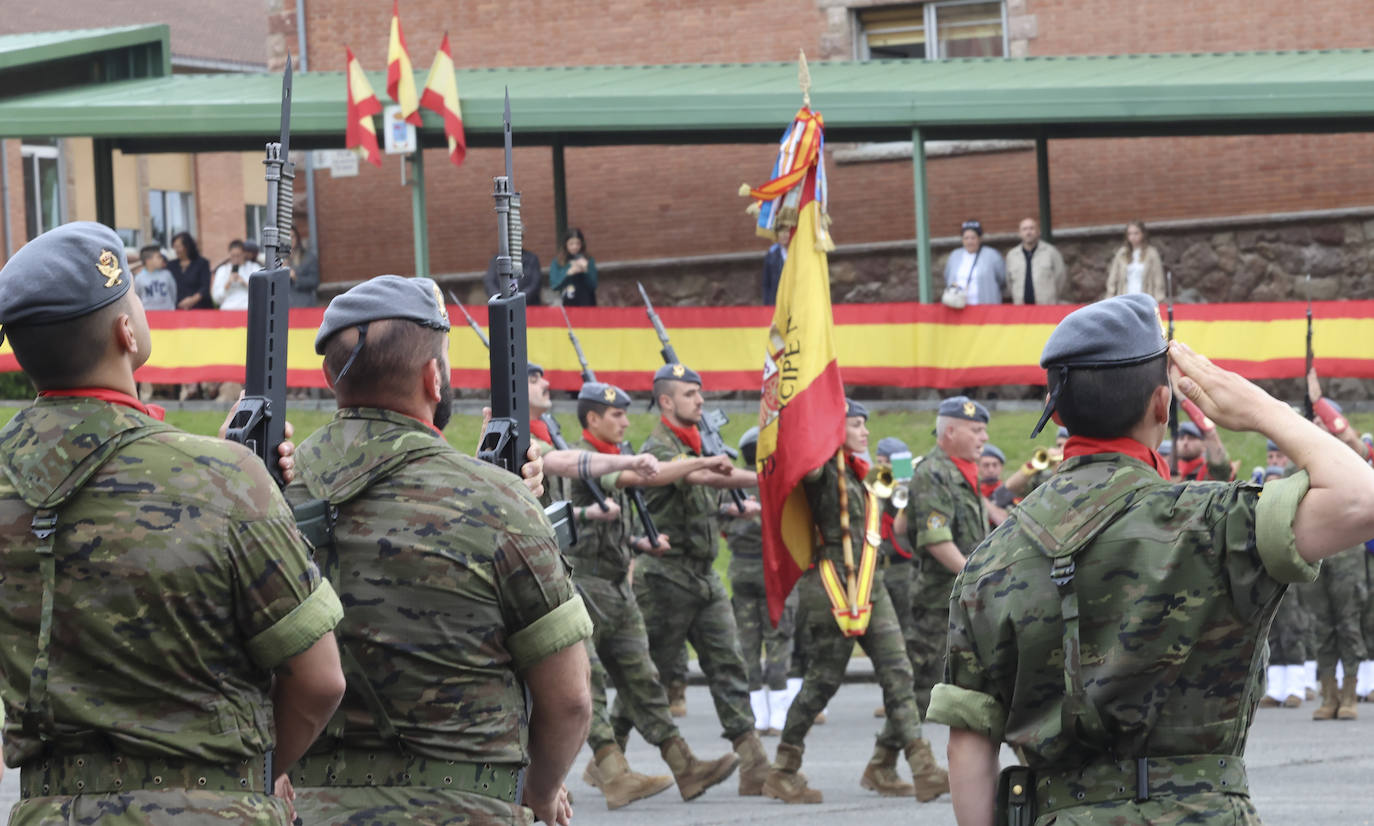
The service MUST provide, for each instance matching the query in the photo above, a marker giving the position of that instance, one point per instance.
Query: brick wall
(18, 222)
(219, 202)
(684, 200)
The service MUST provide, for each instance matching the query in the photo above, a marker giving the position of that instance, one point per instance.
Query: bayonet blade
(286, 109)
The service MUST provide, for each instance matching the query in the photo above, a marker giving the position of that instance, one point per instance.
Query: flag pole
(851, 581)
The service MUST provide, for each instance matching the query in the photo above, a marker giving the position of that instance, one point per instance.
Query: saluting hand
(646, 465)
(1228, 398)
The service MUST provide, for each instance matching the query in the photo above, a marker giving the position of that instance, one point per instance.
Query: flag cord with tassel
(851, 580)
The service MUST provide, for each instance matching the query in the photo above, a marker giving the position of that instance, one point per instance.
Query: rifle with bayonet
(1173, 397)
(646, 519)
(712, 443)
(259, 421)
(506, 439)
(471, 321)
(1308, 401)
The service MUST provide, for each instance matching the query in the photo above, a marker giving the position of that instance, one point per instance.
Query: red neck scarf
(105, 394)
(986, 488)
(1186, 469)
(601, 447)
(1083, 446)
(689, 436)
(970, 471)
(857, 464)
(539, 430)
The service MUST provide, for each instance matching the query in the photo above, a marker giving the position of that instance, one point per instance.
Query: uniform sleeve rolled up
(564, 626)
(298, 630)
(1274, 538)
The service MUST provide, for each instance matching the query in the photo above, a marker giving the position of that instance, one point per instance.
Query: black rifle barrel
(587, 374)
(1309, 403)
(1173, 397)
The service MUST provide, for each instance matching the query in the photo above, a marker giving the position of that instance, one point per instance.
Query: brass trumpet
(881, 484)
(1044, 457)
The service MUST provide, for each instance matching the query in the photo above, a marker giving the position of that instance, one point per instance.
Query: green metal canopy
(39, 61)
(1044, 97)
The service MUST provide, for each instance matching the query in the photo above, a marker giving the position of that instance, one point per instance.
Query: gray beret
(750, 437)
(962, 407)
(64, 273)
(1063, 433)
(531, 367)
(1275, 470)
(890, 446)
(677, 372)
(993, 451)
(1165, 448)
(603, 393)
(853, 408)
(1270, 445)
(386, 296)
(1189, 429)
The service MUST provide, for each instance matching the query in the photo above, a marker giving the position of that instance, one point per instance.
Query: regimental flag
(441, 96)
(360, 134)
(801, 414)
(400, 79)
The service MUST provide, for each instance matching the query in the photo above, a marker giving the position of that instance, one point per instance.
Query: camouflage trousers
(674, 669)
(685, 601)
(1211, 808)
(758, 638)
(148, 807)
(899, 578)
(1336, 600)
(619, 651)
(1288, 635)
(1367, 623)
(828, 653)
(404, 806)
(929, 640)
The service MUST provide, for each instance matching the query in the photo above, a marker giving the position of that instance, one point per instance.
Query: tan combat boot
(785, 782)
(1345, 708)
(1269, 702)
(880, 775)
(753, 764)
(619, 784)
(931, 780)
(695, 776)
(1330, 699)
(677, 699)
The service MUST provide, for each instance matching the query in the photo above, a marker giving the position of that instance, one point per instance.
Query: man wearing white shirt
(229, 289)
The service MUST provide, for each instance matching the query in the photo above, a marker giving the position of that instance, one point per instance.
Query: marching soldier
(169, 649)
(1201, 455)
(459, 604)
(1110, 631)
(832, 497)
(603, 561)
(944, 521)
(894, 557)
(1028, 477)
(680, 592)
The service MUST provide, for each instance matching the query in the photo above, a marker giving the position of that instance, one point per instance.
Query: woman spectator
(192, 274)
(230, 287)
(1136, 267)
(573, 272)
(980, 274)
(305, 272)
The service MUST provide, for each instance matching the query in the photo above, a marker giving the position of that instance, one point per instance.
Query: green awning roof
(1121, 96)
(31, 49)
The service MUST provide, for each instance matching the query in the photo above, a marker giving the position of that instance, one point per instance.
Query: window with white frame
(169, 212)
(932, 30)
(42, 186)
(254, 219)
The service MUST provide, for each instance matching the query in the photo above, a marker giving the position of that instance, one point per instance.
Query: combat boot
(618, 783)
(1269, 702)
(1345, 707)
(786, 782)
(931, 780)
(1330, 699)
(695, 776)
(880, 775)
(677, 699)
(753, 764)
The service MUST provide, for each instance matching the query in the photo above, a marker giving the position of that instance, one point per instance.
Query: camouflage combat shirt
(744, 537)
(689, 514)
(603, 548)
(943, 507)
(1175, 598)
(181, 582)
(452, 581)
(823, 495)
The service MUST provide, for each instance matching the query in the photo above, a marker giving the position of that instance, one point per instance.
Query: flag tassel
(851, 580)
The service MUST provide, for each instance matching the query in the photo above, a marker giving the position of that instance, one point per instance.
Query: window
(169, 213)
(254, 219)
(42, 187)
(940, 29)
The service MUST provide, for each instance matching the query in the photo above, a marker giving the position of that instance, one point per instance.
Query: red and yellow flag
(360, 134)
(400, 79)
(441, 96)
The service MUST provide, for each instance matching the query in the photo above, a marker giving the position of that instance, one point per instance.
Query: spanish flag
(801, 414)
(400, 79)
(360, 134)
(441, 96)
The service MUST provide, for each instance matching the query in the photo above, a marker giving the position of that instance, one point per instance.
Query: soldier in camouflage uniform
(1028, 477)
(680, 592)
(168, 639)
(602, 561)
(945, 519)
(759, 639)
(895, 558)
(459, 603)
(831, 648)
(1111, 631)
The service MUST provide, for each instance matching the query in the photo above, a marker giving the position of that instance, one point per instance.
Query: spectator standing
(230, 286)
(772, 266)
(531, 278)
(573, 272)
(980, 276)
(305, 272)
(1137, 267)
(192, 273)
(1035, 269)
(157, 289)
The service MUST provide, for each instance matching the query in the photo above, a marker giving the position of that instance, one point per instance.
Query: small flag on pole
(400, 79)
(441, 96)
(360, 134)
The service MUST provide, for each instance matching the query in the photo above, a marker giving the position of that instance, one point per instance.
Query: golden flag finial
(804, 77)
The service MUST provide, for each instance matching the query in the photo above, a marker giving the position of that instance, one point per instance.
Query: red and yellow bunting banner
(897, 345)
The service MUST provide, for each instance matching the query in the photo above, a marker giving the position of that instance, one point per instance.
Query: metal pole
(103, 151)
(5, 195)
(420, 216)
(1042, 181)
(560, 195)
(918, 175)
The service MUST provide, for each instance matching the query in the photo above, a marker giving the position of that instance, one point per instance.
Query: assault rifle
(260, 419)
(646, 519)
(1307, 399)
(712, 443)
(1173, 397)
(471, 322)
